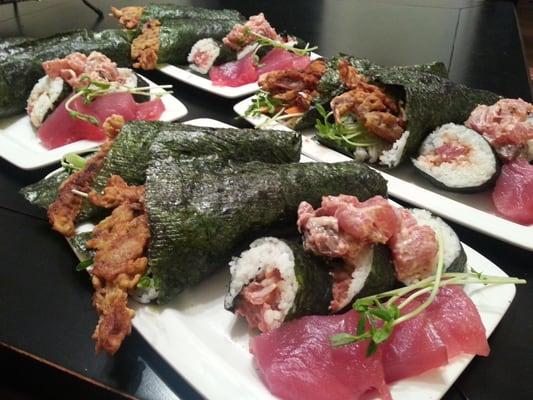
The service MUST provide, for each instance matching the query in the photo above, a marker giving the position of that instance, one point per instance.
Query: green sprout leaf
(342, 339)
(83, 265)
(73, 162)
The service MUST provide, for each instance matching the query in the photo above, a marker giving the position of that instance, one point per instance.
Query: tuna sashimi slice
(60, 128)
(234, 73)
(297, 361)
(457, 322)
(414, 347)
(279, 59)
(513, 193)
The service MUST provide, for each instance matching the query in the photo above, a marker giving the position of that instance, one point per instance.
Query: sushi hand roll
(457, 159)
(274, 281)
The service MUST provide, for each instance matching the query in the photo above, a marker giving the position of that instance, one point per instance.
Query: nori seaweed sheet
(381, 277)
(430, 98)
(330, 84)
(79, 245)
(431, 101)
(200, 211)
(177, 37)
(165, 12)
(129, 155)
(314, 292)
(44, 192)
(20, 64)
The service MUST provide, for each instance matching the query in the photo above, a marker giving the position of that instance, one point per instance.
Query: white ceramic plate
(20, 145)
(184, 74)
(208, 345)
(474, 211)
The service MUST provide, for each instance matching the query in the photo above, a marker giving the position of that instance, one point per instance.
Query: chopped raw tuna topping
(78, 70)
(506, 125)
(242, 35)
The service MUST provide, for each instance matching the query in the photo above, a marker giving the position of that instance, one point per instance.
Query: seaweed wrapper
(44, 192)
(200, 211)
(130, 153)
(330, 84)
(165, 12)
(20, 64)
(431, 101)
(177, 36)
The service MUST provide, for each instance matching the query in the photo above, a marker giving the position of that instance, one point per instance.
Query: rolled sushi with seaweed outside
(208, 52)
(457, 159)
(45, 96)
(276, 280)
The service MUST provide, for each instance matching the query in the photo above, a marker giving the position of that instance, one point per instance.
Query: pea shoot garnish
(381, 313)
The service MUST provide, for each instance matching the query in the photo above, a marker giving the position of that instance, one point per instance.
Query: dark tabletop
(46, 315)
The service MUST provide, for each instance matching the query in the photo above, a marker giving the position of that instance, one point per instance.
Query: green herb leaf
(371, 349)
(83, 265)
(361, 326)
(342, 339)
(382, 334)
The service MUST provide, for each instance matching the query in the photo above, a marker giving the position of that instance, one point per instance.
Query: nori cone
(20, 61)
(200, 211)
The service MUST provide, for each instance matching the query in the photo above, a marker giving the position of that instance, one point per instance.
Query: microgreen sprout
(348, 135)
(96, 89)
(381, 313)
(83, 265)
(263, 105)
(73, 162)
(263, 41)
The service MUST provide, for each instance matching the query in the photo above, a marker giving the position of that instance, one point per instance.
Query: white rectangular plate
(20, 145)
(208, 345)
(184, 74)
(474, 211)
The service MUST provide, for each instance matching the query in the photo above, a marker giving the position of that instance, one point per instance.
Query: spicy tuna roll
(208, 52)
(457, 159)
(276, 280)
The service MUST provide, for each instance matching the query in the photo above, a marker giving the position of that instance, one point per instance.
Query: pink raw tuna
(413, 348)
(456, 320)
(60, 128)
(298, 362)
(234, 73)
(279, 59)
(513, 193)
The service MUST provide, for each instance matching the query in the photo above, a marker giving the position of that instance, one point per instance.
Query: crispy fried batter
(120, 241)
(374, 109)
(145, 47)
(63, 211)
(128, 16)
(115, 318)
(296, 89)
(117, 192)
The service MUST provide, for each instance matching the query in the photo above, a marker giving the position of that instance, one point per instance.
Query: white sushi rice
(450, 241)
(265, 255)
(479, 167)
(43, 98)
(359, 275)
(392, 157)
(208, 46)
(128, 77)
(144, 295)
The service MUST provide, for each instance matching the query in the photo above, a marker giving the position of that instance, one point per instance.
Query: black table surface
(46, 316)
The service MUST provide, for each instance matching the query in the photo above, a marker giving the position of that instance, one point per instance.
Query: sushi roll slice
(208, 52)
(44, 98)
(275, 281)
(373, 273)
(453, 251)
(457, 159)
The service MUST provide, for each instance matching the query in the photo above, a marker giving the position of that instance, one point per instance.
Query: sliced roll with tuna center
(275, 281)
(457, 159)
(372, 272)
